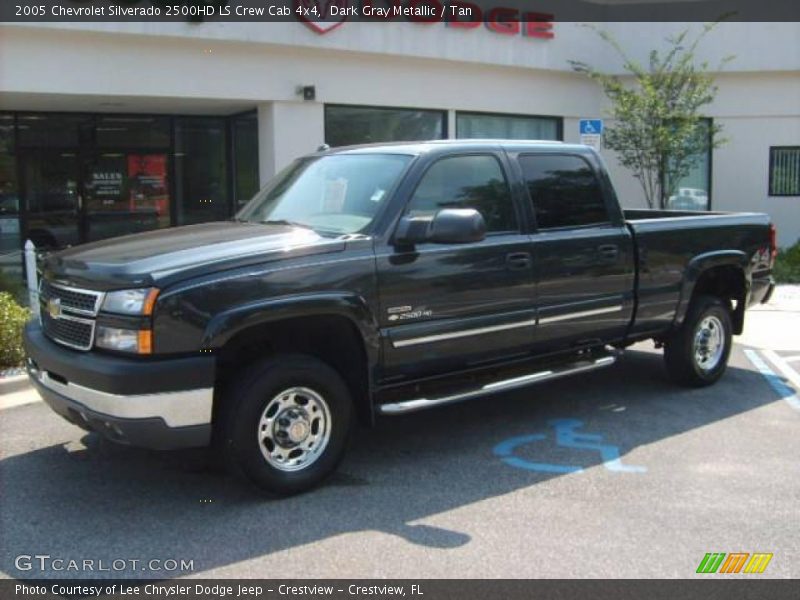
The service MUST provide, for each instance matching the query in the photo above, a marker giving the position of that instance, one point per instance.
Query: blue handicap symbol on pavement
(567, 437)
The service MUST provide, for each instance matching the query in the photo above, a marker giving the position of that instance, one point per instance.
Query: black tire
(241, 427)
(681, 353)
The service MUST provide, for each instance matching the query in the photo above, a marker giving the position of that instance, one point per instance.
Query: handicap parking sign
(591, 126)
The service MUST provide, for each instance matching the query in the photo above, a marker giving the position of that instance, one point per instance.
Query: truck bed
(670, 242)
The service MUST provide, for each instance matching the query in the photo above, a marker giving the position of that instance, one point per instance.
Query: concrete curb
(15, 383)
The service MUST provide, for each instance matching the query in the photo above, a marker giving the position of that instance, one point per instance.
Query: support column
(266, 144)
(287, 130)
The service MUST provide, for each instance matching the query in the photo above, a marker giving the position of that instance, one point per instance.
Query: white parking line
(783, 367)
(777, 384)
(794, 358)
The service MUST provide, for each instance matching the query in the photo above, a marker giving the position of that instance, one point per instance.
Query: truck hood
(160, 257)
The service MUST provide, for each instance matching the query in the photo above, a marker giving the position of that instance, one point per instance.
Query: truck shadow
(93, 499)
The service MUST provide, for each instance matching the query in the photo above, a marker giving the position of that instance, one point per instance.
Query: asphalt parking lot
(613, 474)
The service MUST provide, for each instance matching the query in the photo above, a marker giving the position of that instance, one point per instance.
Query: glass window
(245, 158)
(506, 127)
(784, 171)
(48, 131)
(10, 244)
(335, 194)
(125, 192)
(348, 125)
(50, 169)
(564, 191)
(692, 191)
(200, 170)
(130, 132)
(52, 197)
(467, 182)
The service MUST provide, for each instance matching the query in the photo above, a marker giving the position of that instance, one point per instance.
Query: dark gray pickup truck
(381, 280)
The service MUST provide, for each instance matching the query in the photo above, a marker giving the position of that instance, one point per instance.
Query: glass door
(49, 156)
(53, 198)
(125, 192)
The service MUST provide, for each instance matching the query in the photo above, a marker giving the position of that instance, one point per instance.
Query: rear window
(564, 190)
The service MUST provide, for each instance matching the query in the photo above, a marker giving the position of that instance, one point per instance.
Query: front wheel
(286, 423)
(697, 353)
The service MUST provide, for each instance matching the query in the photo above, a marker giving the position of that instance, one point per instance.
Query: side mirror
(448, 226)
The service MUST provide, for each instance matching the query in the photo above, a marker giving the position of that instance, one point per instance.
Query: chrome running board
(407, 406)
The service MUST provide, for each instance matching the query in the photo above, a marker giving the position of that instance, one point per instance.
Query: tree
(658, 130)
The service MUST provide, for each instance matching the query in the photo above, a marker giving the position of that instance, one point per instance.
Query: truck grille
(64, 313)
(69, 331)
(84, 302)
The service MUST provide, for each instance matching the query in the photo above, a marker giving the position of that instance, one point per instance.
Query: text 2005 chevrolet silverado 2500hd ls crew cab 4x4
(381, 280)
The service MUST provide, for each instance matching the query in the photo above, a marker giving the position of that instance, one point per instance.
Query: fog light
(124, 340)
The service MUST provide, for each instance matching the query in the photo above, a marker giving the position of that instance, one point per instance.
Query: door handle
(518, 260)
(609, 251)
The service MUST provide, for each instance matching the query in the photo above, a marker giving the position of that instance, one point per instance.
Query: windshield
(336, 194)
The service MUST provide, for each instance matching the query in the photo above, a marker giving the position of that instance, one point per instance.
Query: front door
(450, 306)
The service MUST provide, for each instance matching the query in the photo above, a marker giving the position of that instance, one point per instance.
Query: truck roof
(423, 147)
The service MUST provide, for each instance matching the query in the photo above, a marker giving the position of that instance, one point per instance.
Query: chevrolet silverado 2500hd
(383, 279)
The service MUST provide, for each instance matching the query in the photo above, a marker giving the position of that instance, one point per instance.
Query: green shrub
(13, 284)
(787, 265)
(12, 319)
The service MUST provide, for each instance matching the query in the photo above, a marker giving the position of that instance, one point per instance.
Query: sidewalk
(24, 396)
(15, 389)
(774, 326)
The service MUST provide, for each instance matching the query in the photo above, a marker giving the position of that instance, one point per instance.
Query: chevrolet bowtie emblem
(54, 308)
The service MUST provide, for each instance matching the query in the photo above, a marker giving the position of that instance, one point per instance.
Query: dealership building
(111, 128)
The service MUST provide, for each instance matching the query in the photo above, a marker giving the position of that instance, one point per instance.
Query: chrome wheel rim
(294, 429)
(709, 343)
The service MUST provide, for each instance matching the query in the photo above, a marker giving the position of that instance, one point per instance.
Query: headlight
(131, 302)
(124, 340)
(137, 339)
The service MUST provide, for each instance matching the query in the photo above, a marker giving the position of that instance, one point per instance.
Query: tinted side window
(467, 182)
(564, 190)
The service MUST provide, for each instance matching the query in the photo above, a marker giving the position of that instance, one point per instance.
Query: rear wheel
(697, 353)
(286, 423)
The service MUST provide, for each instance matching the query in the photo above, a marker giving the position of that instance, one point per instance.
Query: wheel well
(333, 339)
(727, 283)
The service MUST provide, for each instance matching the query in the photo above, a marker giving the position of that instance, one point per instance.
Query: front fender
(701, 264)
(225, 325)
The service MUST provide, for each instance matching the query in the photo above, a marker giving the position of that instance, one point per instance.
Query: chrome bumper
(160, 421)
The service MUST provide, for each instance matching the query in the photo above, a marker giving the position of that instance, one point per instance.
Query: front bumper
(155, 403)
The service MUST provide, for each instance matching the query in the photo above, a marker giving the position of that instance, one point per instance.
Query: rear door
(582, 250)
(451, 306)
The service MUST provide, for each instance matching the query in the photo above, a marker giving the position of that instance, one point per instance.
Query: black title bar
(714, 587)
(326, 13)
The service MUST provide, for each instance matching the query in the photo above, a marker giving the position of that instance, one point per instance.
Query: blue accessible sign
(591, 132)
(591, 126)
